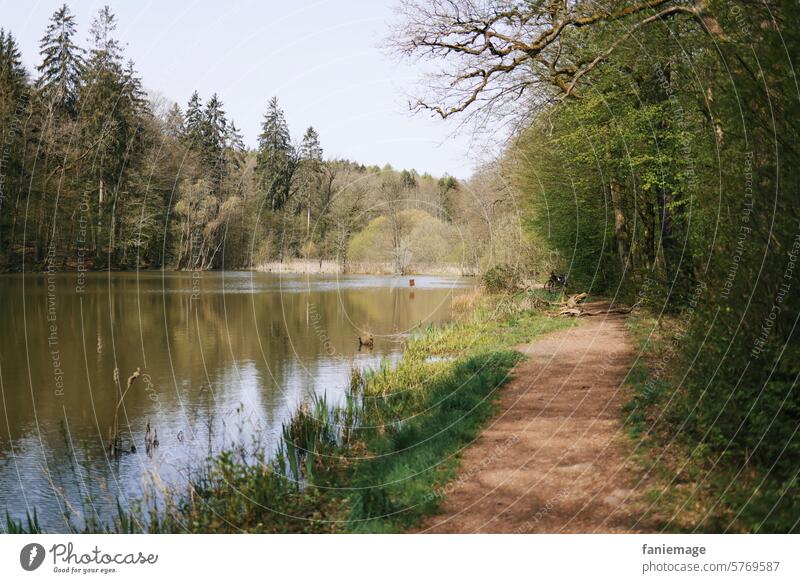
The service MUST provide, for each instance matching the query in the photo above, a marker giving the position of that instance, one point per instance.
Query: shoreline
(328, 266)
(296, 267)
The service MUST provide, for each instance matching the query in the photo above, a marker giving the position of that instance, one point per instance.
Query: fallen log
(575, 312)
(575, 299)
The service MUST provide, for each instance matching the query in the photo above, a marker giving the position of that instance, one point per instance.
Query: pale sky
(321, 58)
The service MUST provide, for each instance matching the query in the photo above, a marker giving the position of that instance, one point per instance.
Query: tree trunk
(620, 229)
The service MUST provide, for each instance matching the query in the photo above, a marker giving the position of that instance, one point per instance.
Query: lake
(225, 358)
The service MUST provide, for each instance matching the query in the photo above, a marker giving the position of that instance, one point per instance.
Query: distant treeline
(96, 174)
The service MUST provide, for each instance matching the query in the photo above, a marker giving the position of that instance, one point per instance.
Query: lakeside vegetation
(376, 463)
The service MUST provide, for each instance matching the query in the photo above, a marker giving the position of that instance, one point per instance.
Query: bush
(502, 278)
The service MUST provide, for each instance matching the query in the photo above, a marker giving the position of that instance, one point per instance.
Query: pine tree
(106, 50)
(276, 159)
(13, 78)
(193, 122)
(310, 170)
(310, 149)
(214, 127)
(173, 122)
(62, 63)
(214, 130)
(13, 102)
(234, 139)
(134, 94)
(113, 110)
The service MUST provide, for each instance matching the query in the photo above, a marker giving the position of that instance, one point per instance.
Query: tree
(112, 110)
(106, 50)
(507, 57)
(194, 122)
(214, 131)
(408, 180)
(173, 122)
(276, 160)
(446, 186)
(309, 170)
(62, 63)
(13, 105)
(13, 78)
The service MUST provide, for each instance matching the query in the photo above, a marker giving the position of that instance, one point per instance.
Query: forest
(98, 172)
(655, 145)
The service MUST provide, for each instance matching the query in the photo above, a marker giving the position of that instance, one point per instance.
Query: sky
(322, 59)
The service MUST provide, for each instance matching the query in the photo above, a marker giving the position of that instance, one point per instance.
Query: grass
(378, 462)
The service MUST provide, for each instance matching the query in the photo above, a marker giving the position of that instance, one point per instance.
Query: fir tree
(173, 122)
(62, 63)
(113, 107)
(276, 159)
(13, 78)
(214, 128)
(133, 93)
(310, 149)
(106, 50)
(194, 121)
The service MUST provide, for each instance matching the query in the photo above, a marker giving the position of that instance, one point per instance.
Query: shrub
(502, 278)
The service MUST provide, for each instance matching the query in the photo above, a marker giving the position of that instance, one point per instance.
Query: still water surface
(225, 358)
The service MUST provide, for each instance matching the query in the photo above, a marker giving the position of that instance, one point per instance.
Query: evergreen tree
(214, 127)
(133, 94)
(13, 103)
(173, 122)
(13, 78)
(310, 169)
(112, 110)
(234, 139)
(310, 149)
(62, 63)
(106, 50)
(276, 159)
(214, 130)
(194, 121)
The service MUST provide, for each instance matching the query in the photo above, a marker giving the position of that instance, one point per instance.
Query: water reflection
(224, 358)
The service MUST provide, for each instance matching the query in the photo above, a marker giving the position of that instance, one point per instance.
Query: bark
(620, 227)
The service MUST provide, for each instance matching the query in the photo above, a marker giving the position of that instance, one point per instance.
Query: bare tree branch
(497, 51)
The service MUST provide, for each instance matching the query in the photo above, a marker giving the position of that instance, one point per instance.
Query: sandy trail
(555, 458)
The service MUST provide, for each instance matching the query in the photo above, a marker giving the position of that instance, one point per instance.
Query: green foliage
(62, 63)
(277, 159)
(413, 236)
(502, 278)
(672, 182)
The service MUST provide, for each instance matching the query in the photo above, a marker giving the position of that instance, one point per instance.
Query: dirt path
(555, 458)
